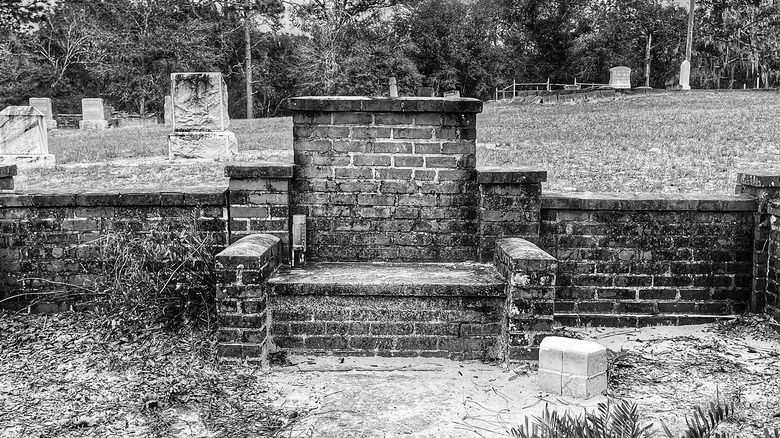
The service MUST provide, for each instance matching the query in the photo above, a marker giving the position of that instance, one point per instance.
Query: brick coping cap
(647, 201)
(520, 250)
(259, 170)
(7, 170)
(510, 175)
(760, 178)
(385, 104)
(136, 198)
(249, 252)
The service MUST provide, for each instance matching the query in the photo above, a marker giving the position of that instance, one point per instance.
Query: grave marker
(685, 75)
(620, 77)
(43, 104)
(23, 139)
(455, 93)
(93, 115)
(199, 117)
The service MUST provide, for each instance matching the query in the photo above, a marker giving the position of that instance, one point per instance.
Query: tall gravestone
(685, 75)
(620, 77)
(23, 139)
(43, 104)
(200, 119)
(93, 114)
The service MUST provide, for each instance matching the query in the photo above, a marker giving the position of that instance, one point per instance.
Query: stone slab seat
(390, 279)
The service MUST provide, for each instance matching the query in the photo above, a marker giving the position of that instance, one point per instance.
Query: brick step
(389, 309)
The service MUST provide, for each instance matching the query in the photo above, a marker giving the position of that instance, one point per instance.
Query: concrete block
(572, 367)
(582, 386)
(202, 145)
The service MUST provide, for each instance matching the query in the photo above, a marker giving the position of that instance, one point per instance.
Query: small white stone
(551, 352)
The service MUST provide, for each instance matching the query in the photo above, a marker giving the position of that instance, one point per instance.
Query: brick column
(765, 187)
(530, 301)
(386, 179)
(510, 204)
(243, 269)
(259, 202)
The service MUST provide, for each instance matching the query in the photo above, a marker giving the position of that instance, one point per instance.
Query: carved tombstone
(93, 114)
(43, 104)
(200, 118)
(23, 138)
(620, 77)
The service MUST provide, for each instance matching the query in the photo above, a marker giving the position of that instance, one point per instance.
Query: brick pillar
(530, 302)
(772, 291)
(510, 204)
(242, 270)
(765, 187)
(259, 202)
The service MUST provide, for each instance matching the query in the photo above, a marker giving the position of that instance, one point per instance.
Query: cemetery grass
(693, 142)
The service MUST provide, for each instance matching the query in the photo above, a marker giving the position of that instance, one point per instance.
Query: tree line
(125, 50)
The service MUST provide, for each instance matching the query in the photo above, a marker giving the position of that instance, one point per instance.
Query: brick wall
(628, 261)
(386, 179)
(48, 241)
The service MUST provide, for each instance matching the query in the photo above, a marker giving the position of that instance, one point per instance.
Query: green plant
(703, 424)
(163, 276)
(618, 419)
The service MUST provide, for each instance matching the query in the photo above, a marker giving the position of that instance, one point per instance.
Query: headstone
(393, 87)
(43, 104)
(23, 139)
(455, 93)
(424, 92)
(620, 77)
(93, 114)
(572, 87)
(108, 112)
(685, 75)
(200, 119)
(168, 108)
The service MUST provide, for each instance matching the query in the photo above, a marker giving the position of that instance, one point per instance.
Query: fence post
(514, 88)
(548, 84)
(496, 94)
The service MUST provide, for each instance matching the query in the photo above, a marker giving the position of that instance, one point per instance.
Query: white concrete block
(582, 386)
(551, 352)
(584, 358)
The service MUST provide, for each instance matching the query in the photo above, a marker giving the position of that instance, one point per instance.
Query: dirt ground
(68, 376)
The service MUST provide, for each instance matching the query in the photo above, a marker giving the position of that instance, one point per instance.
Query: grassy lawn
(666, 142)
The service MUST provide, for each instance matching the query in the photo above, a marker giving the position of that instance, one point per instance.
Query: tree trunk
(647, 58)
(248, 60)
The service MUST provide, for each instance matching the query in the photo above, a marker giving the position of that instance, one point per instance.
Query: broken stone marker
(572, 367)
(200, 118)
(23, 138)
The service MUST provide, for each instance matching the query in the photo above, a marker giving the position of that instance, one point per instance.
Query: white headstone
(620, 77)
(454, 93)
(23, 138)
(43, 104)
(685, 75)
(200, 119)
(93, 114)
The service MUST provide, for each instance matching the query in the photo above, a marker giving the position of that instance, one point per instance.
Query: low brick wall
(48, 241)
(641, 260)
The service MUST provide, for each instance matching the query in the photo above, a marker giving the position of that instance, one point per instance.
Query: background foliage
(124, 51)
